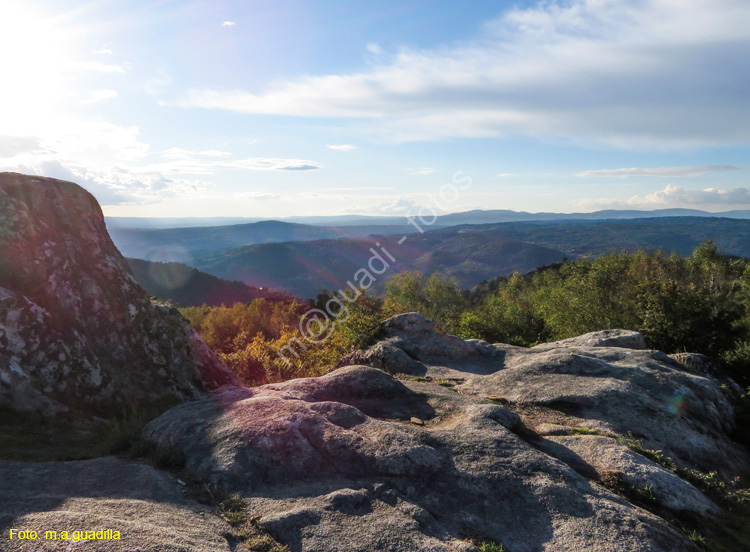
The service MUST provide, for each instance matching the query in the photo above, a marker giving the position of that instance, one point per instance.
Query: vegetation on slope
(303, 268)
(249, 337)
(471, 253)
(188, 287)
(695, 304)
(699, 304)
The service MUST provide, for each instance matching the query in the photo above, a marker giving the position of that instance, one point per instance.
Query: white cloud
(91, 143)
(102, 51)
(375, 48)
(228, 24)
(116, 185)
(664, 172)
(97, 143)
(186, 162)
(116, 167)
(359, 189)
(260, 196)
(270, 164)
(96, 96)
(180, 153)
(422, 171)
(634, 74)
(676, 196)
(151, 183)
(101, 67)
(157, 85)
(343, 147)
(11, 146)
(215, 153)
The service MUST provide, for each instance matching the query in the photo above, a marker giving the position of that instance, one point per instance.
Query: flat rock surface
(143, 504)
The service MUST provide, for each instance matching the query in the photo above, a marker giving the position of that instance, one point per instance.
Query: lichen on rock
(77, 333)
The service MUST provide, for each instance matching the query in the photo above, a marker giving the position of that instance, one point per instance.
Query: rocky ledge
(441, 442)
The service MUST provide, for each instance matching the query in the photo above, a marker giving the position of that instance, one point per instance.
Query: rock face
(76, 332)
(359, 460)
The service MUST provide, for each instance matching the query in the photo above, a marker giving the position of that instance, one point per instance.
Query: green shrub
(646, 494)
(697, 538)
(489, 546)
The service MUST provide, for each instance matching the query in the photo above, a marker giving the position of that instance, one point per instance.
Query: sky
(252, 108)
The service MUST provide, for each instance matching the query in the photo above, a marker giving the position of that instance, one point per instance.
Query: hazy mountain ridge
(196, 242)
(185, 244)
(501, 215)
(304, 268)
(471, 253)
(189, 287)
(476, 216)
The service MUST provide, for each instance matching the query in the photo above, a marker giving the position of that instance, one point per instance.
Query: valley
(470, 253)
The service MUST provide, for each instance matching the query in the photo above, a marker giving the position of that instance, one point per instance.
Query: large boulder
(357, 460)
(604, 381)
(77, 333)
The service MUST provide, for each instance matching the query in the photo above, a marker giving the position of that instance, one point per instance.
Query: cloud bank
(649, 73)
(664, 172)
(677, 196)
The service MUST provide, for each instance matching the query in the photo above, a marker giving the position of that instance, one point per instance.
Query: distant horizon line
(399, 215)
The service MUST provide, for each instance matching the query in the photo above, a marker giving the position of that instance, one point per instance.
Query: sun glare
(33, 62)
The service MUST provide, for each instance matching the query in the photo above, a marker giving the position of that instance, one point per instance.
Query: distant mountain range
(468, 217)
(497, 216)
(187, 244)
(304, 268)
(301, 259)
(190, 243)
(471, 253)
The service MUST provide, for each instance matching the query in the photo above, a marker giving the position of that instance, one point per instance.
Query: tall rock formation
(77, 333)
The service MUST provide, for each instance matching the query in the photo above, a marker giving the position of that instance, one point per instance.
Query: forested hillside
(471, 254)
(186, 286)
(303, 269)
(697, 304)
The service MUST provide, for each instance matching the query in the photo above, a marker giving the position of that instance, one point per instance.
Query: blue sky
(248, 108)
